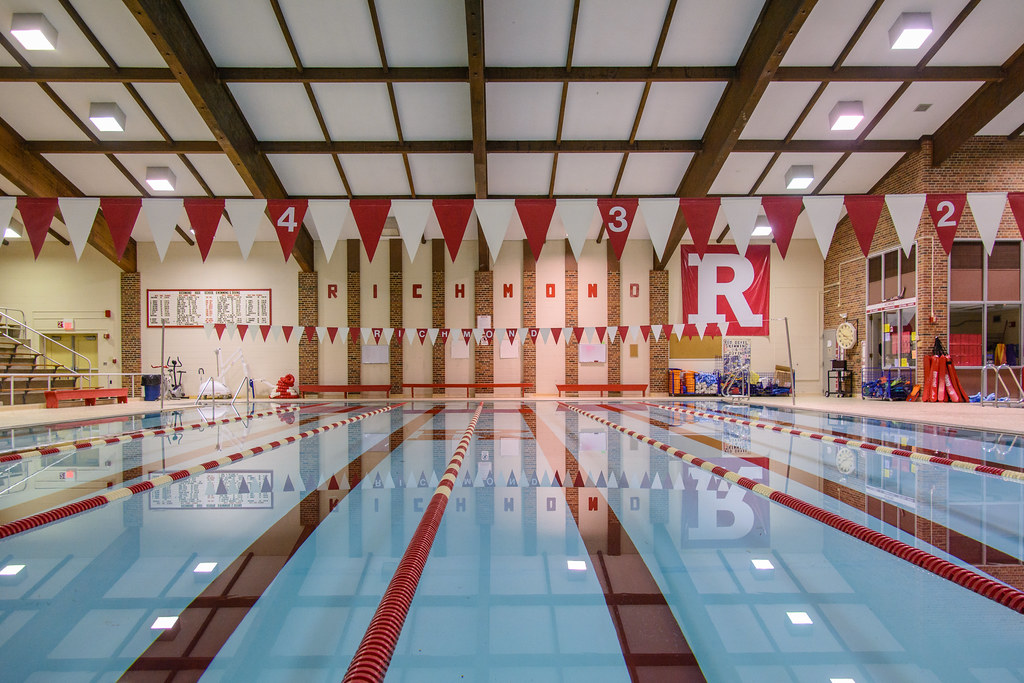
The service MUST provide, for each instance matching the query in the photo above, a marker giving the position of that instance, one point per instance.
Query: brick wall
(131, 325)
(659, 316)
(528, 348)
(614, 318)
(309, 314)
(354, 346)
(572, 348)
(483, 304)
(396, 348)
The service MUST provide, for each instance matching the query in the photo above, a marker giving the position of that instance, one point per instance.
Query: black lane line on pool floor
(678, 660)
(212, 617)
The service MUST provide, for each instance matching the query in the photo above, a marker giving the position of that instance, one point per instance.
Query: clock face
(846, 460)
(846, 335)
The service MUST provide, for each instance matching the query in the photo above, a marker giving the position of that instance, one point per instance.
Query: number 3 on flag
(287, 215)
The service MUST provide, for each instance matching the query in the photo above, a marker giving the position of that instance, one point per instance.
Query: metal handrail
(48, 340)
(9, 308)
(1000, 382)
(50, 376)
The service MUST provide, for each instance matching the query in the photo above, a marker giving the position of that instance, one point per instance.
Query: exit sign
(65, 324)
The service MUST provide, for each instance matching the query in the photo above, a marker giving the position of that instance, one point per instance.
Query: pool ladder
(739, 378)
(1007, 401)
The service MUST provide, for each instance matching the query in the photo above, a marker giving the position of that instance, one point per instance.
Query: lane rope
(373, 656)
(984, 586)
(963, 465)
(63, 512)
(69, 446)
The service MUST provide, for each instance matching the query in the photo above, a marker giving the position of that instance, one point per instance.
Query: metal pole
(792, 370)
(163, 333)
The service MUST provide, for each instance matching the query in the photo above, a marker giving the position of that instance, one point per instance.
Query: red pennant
(488, 334)
(556, 332)
(376, 332)
(667, 329)
(511, 332)
(121, 214)
(421, 332)
(287, 329)
(310, 333)
(578, 332)
(466, 334)
(353, 332)
(287, 215)
(623, 333)
(533, 332)
(617, 215)
(264, 330)
(370, 215)
(535, 215)
(242, 329)
(37, 214)
(332, 332)
(645, 330)
(442, 334)
(864, 211)
(453, 216)
(204, 215)
(700, 215)
(399, 333)
(220, 329)
(1017, 206)
(946, 210)
(600, 333)
(782, 213)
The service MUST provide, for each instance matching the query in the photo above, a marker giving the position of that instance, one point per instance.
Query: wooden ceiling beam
(477, 101)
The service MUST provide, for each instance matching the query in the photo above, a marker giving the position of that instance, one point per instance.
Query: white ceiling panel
(990, 35)
(277, 111)
(119, 33)
(873, 47)
(775, 181)
(78, 97)
(442, 174)
(186, 184)
(307, 174)
(5, 58)
(518, 174)
(376, 174)
(860, 172)
(7, 187)
(73, 48)
(527, 32)
(523, 111)
(93, 174)
(338, 33)
(600, 111)
(825, 32)
(424, 33)
(1006, 121)
(33, 115)
(778, 110)
(739, 172)
(611, 32)
(709, 33)
(240, 33)
(586, 174)
(873, 95)
(679, 111)
(175, 111)
(653, 173)
(434, 111)
(220, 175)
(903, 123)
(356, 111)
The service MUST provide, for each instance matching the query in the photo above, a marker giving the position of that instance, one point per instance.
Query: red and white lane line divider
(373, 656)
(70, 446)
(63, 512)
(1009, 475)
(993, 590)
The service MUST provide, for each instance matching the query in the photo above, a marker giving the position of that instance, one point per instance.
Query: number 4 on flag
(287, 215)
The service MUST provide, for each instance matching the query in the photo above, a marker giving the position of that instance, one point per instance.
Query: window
(892, 276)
(985, 304)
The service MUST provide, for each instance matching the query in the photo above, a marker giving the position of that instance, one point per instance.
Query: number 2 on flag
(287, 219)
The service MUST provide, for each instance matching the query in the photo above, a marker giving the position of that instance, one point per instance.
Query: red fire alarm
(106, 335)
(106, 313)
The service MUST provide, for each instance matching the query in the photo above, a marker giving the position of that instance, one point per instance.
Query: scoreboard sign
(195, 308)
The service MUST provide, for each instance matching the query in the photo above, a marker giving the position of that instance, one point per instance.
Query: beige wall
(333, 311)
(417, 358)
(508, 312)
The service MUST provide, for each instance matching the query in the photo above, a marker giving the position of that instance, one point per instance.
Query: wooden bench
(603, 388)
(55, 396)
(522, 386)
(343, 389)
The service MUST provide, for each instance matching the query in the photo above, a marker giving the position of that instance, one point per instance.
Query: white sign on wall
(195, 308)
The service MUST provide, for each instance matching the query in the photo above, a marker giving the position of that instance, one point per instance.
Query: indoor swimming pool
(580, 542)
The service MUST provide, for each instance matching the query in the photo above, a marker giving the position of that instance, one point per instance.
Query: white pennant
(987, 208)
(589, 333)
(905, 210)
(577, 216)
(389, 332)
(432, 334)
(701, 329)
(494, 215)
(634, 332)
(163, 216)
(367, 334)
(321, 332)
(412, 216)
(566, 332)
(659, 215)
(545, 334)
(741, 213)
(245, 215)
(521, 334)
(275, 331)
(329, 215)
(656, 332)
(79, 213)
(208, 329)
(478, 334)
(410, 335)
(7, 205)
(823, 212)
(229, 330)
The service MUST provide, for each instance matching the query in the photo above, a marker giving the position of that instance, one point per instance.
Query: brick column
(529, 349)
(659, 316)
(354, 348)
(437, 301)
(483, 304)
(572, 349)
(309, 314)
(614, 318)
(397, 348)
(131, 326)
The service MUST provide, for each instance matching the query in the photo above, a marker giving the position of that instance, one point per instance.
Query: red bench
(603, 388)
(343, 389)
(55, 396)
(522, 386)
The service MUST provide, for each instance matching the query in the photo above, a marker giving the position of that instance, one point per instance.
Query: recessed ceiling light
(910, 30)
(11, 570)
(576, 565)
(924, 106)
(34, 32)
(205, 567)
(841, 680)
(163, 623)
(762, 564)
(846, 115)
(160, 178)
(799, 177)
(761, 227)
(107, 117)
(799, 618)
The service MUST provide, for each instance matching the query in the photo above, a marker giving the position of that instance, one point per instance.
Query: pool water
(568, 551)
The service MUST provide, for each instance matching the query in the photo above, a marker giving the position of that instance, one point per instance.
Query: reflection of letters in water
(730, 515)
